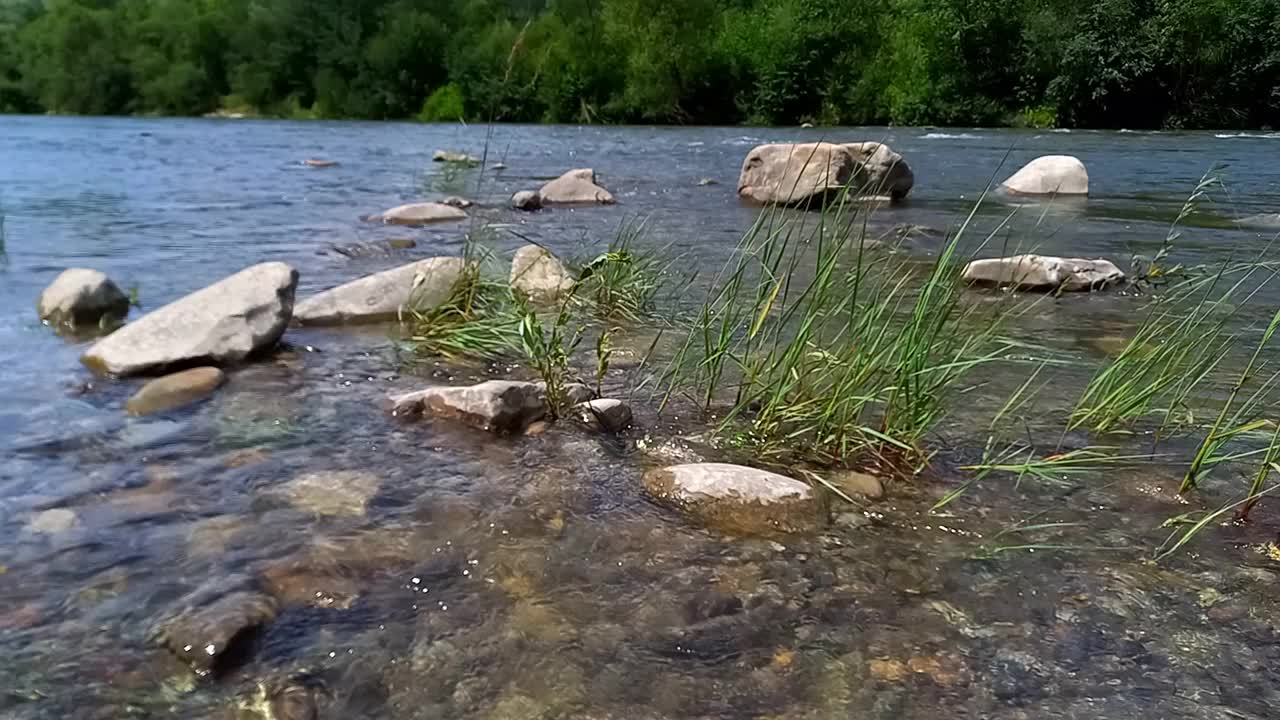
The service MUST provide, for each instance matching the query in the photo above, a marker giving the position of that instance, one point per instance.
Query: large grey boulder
(881, 171)
(501, 406)
(795, 173)
(419, 214)
(1045, 273)
(735, 497)
(80, 297)
(575, 186)
(174, 391)
(382, 296)
(804, 173)
(1050, 175)
(539, 274)
(223, 323)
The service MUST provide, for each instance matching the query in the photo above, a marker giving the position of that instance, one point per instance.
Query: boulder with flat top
(223, 323)
(575, 187)
(801, 174)
(1044, 273)
(385, 295)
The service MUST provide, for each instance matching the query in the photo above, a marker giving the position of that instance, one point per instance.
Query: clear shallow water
(554, 587)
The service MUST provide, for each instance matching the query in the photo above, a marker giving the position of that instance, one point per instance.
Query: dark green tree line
(1096, 63)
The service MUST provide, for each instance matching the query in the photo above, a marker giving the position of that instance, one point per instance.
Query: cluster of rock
(247, 313)
(576, 187)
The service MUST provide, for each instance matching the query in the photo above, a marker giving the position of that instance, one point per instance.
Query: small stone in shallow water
(200, 635)
(175, 391)
(736, 498)
(53, 522)
(331, 493)
(604, 414)
(857, 483)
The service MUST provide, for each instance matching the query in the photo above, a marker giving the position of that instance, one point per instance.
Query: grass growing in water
(827, 350)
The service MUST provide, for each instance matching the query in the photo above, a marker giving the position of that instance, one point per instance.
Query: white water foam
(951, 136)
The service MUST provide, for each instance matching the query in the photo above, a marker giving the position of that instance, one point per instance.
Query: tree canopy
(1095, 63)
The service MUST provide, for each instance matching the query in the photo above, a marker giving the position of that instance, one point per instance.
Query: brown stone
(174, 391)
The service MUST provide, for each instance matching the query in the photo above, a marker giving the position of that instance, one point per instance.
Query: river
(531, 577)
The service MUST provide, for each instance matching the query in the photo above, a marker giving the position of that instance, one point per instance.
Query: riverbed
(468, 576)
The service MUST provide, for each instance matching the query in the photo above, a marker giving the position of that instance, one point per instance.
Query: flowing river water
(459, 575)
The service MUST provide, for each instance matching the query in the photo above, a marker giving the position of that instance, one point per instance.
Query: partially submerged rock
(223, 323)
(174, 391)
(736, 498)
(881, 170)
(804, 173)
(539, 274)
(1044, 273)
(331, 493)
(795, 173)
(419, 214)
(1050, 175)
(575, 186)
(453, 156)
(604, 414)
(858, 483)
(316, 163)
(459, 202)
(53, 522)
(383, 296)
(203, 631)
(528, 200)
(80, 297)
(502, 406)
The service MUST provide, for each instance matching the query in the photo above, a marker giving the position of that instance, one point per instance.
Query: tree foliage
(1099, 63)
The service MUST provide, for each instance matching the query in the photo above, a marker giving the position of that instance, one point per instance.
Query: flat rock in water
(332, 493)
(382, 296)
(539, 274)
(502, 406)
(452, 156)
(419, 214)
(223, 323)
(80, 297)
(528, 200)
(1050, 175)
(174, 391)
(737, 498)
(604, 414)
(200, 634)
(1044, 273)
(575, 186)
(316, 163)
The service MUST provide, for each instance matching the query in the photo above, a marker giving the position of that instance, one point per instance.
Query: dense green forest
(1093, 63)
